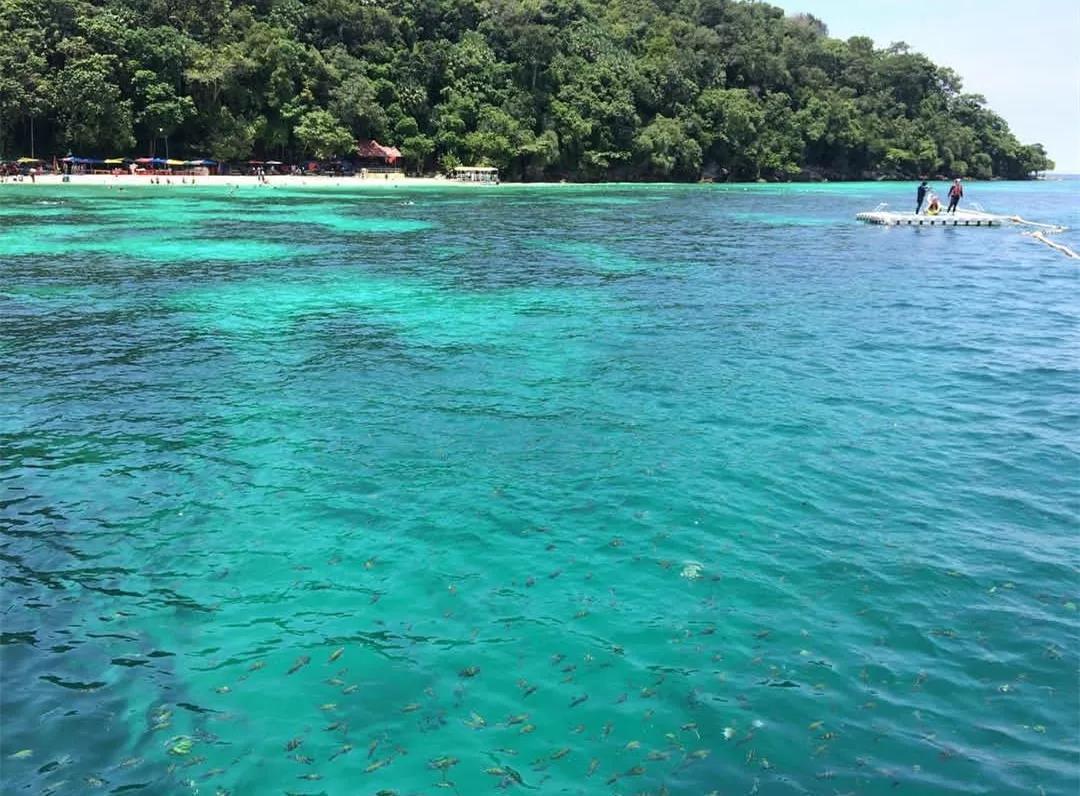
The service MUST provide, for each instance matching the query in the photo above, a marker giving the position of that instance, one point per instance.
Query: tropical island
(581, 90)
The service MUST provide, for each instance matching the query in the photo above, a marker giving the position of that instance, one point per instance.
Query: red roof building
(373, 150)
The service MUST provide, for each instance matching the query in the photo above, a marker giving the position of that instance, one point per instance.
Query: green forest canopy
(581, 89)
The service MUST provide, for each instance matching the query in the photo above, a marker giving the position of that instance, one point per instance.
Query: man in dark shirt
(920, 196)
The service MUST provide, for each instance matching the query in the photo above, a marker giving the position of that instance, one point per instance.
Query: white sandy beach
(238, 181)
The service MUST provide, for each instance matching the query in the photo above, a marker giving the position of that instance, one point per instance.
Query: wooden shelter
(375, 157)
(476, 174)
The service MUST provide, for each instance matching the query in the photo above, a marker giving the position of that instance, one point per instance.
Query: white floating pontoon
(976, 217)
(961, 218)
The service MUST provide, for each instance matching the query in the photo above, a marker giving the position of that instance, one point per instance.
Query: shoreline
(230, 181)
(290, 181)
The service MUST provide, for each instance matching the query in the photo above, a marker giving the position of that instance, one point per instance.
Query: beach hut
(375, 158)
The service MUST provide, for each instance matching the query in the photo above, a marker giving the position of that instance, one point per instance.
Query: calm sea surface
(623, 489)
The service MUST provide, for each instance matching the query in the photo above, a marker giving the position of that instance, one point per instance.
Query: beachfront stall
(73, 164)
(18, 169)
(476, 174)
(150, 166)
(200, 167)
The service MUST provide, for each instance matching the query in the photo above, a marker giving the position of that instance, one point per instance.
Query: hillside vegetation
(577, 89)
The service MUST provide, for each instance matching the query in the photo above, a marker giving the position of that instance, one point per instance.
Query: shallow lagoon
(690, 488)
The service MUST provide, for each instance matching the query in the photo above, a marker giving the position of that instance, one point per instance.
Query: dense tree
(88, 105)
(322, 135)
(160, 111)
(581, 89)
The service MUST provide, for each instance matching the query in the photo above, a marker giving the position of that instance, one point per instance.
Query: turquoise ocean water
(619, 489)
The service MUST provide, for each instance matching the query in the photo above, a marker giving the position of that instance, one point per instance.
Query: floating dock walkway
(967, 218)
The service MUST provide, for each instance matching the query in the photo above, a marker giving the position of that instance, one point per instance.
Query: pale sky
(1022, 55)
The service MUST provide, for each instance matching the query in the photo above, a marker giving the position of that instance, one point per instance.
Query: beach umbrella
(28, 160)
(173, 162)
(114, 161)
(256, 163)
(204, 162)
(273, 163)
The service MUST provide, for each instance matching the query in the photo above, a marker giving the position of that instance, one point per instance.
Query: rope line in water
(1039, 236)
(1024, 221)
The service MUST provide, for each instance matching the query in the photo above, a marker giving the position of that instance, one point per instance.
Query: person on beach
(920, 196)
(955, 194)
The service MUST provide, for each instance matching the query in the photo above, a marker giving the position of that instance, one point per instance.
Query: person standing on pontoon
(920, 196)
(956, 192)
